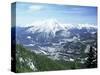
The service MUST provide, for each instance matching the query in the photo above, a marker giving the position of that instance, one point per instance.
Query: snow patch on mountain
(28, 37)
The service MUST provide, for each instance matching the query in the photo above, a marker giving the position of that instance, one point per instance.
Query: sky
(27, 13)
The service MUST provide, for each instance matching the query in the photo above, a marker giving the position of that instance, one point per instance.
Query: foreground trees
(91, 61)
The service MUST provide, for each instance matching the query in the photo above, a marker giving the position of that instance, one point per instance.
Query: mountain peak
(49, 25)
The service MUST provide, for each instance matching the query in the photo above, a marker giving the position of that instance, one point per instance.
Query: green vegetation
(41, 62)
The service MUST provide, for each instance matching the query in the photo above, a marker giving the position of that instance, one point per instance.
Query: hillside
(27, 61)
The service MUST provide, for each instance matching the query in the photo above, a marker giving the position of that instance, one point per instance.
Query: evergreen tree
(91, 61)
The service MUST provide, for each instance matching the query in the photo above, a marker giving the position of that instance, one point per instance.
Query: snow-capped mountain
(48, 27)
(53, 25)
(52, 29)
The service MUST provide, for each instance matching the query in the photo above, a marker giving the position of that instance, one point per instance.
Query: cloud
(34, 8)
